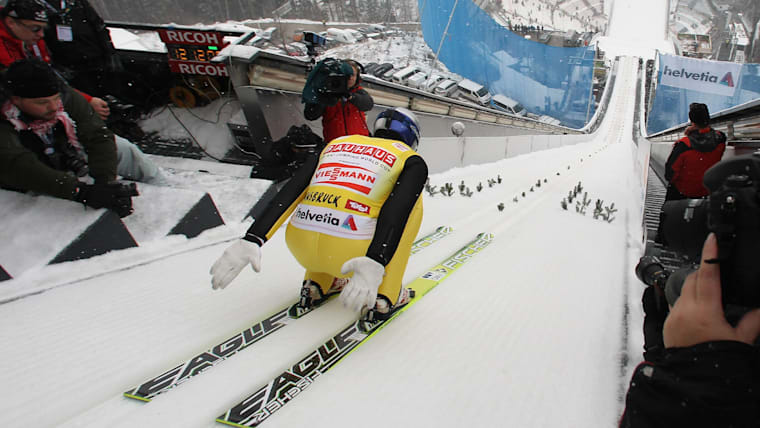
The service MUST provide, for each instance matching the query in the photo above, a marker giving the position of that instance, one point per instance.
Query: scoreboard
(191, 51)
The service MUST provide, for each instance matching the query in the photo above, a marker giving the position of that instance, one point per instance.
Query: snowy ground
(530, 333)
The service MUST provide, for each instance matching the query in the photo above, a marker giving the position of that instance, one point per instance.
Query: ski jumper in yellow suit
(360, 197)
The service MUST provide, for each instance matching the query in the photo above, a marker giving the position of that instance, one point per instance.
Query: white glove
(361, 289)
(234, 259)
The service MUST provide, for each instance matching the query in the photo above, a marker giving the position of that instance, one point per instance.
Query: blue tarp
(545, 79)
(720, 85)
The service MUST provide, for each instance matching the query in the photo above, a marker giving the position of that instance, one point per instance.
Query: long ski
(283, 388)
(209, 358)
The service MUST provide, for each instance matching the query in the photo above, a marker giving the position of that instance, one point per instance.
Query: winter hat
(33, 10)
(699, 115)
(31, 78)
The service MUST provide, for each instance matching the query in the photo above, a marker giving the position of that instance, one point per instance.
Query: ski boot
(313, 297)
(384, 310)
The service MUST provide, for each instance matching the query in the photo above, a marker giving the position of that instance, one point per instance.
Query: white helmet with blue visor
(400, 121)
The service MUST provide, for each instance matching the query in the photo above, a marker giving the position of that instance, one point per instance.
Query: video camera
(327, 82)
(732, 212)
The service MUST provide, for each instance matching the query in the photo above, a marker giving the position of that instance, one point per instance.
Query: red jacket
(346, 117)
(12, 49)
(692, 155)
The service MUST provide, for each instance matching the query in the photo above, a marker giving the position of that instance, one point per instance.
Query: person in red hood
(346, 117)
(692, 155)
(23, 27)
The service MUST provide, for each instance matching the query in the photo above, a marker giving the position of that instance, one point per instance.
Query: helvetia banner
(713, 77)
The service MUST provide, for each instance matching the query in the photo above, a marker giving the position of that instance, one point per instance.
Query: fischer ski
(283, 388)
(209, 358)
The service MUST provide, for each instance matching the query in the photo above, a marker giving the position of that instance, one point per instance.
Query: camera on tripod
(312, 41)
(732, 212)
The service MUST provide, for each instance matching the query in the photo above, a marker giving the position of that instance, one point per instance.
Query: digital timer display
(192, 52)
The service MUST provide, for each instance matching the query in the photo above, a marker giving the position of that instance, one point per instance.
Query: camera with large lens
(732, 212)
(74, 160)
(651, 271)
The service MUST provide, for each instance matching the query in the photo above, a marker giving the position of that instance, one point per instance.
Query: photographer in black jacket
(709, 373)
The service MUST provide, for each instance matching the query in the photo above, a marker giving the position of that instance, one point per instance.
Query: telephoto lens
(651, 272)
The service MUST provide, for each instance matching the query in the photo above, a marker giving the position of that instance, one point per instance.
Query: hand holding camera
(115, 196)
(732, 212)
(697, 315)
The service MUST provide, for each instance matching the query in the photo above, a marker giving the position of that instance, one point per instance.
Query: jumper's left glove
(234, 259)
(361, 289)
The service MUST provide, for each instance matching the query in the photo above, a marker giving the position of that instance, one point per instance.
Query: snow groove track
(531, 324)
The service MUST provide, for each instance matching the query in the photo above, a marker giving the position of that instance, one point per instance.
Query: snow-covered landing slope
(529, 334)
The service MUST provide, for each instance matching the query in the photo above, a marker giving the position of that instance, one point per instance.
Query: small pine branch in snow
(608, 213)
(598, 210)
(601, 212)
(580, 206)
(432, 190)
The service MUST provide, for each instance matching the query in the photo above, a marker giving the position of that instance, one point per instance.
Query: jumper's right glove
(115, 196)
(234, 259)
(361, 289)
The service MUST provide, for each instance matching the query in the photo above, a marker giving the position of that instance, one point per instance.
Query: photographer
(333, 93)
(50, 138)
(709, 372)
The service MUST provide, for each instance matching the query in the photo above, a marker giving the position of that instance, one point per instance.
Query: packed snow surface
(532, 332)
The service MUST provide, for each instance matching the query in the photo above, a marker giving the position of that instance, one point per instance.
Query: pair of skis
(211, 357)
(280, 390)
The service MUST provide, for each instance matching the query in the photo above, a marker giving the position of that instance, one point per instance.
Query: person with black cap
(692, 155)
(50, 140)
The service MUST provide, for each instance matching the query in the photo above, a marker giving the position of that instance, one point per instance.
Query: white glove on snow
(234, 259)
(361, 289)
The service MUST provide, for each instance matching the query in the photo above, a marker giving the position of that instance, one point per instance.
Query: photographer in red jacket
(342, 114)
(692, 155)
